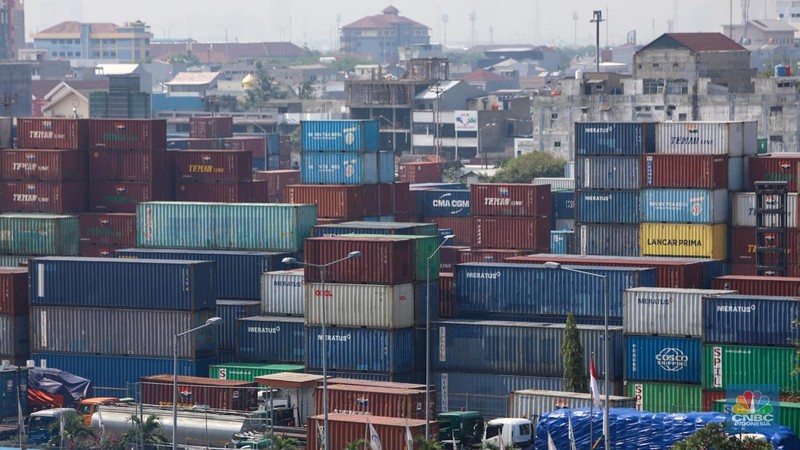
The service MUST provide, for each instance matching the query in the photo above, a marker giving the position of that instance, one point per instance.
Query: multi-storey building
(381, 37)
(89, 43)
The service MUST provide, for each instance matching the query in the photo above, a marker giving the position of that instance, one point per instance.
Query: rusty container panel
(44, 165)
(108, 228)
(516, 200)
(213, 165)
(216, 393)
(448, 257)
(131, 165)
(398, 191)
(256, 145)
(685, 171)
(376, 401)
(211, 127)
(420, 172)
(43, 196)
(775, 167)
(13, 291)
(760, 285)
(382, 261)
(335, 200)
(91, 250)
(277, 180)
(526, 233)
(488, 254)
(122, 196)
(259, 193)
(46, 133)
(237, 192)
(461, 226)
(447, 295)
(130, 134)
(348, 428)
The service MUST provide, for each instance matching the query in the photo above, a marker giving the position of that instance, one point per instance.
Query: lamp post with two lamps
(322, 268)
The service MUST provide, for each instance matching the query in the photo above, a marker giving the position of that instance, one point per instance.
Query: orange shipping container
(348, 428)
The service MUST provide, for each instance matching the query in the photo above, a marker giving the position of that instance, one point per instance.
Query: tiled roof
(705, 42)
(388, 19)
(230, 51)
(73, 27)
(483, 75)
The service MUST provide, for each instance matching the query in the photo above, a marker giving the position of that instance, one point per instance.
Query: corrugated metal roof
(429, 93)
(375, 420)
(483, 75)
(698, 42)
(193, 78)
(773, 25)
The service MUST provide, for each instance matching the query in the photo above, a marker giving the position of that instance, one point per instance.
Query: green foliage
(574, 379)
(525, 168)
(305, 91)
(147, 433)
(349, 63)
(189, 58)
(76, 434)
(427, 444)
(358, 444)
(714, 436)
(266, 90)
(284, 442)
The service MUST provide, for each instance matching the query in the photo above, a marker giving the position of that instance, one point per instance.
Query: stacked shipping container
(14, 316)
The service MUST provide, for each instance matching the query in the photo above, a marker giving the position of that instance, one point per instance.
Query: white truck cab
(510, 432)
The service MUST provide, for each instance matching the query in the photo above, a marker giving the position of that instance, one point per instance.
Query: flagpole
(591, 411)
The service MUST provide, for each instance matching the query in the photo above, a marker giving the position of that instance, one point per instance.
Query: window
(655, 66)
(675, 65)
(659, 107)
(776, 138)
(775, 110)
(554, 116)
(557, 144)
(650, 87)
(682, 116)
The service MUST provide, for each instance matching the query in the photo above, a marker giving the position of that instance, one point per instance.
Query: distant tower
(575, 19)
(445, 19)
(339, 29)
(472, 18)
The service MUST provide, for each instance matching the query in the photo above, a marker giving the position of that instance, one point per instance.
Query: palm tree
(76, 434)
(358, 444)
(284, 443)
(147, 433)
(428, 444)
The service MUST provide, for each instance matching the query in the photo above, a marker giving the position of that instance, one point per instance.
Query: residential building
(541, 56)
(762, 32)
(86, 44)
(789, 11)
(192, 84)
(489, 81)
(12, 28)
(381, 37)
(71, 99)
(227, 52)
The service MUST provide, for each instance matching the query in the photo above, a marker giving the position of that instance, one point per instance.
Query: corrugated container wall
(347, 168)
(382, 261)
(663, 359)
(44, 133)
(486, 255)
(618, 207)
(131, 165)
(213, 165)
(556, 184)
(340, 135)
(706, 241)
(728, 365)
(529, 233)
(361, 305)
(420, 172)
(348, 428)
(376, 401)
(39, 234)
(282, 293)
(685, 171)
(15, 338)
(362, 349)
(619, 138)
(249, 371)
(194, 391)
(277, 180)
(124, 196)
(44, 165)
(143, 134)
(666, 397)
(13, 392)
(14, 291)
(363, 227)
(744, 210)
(461, 226)
(563, 205)
(760, 285)
(211, 127)
(515, 200)
(222, 192)
(54, 197)
(751, 320)
(604, 172)
(423, 250)
(444, 203)
(231, 311)
(607, 239)
(665, 312)
(533, 403)
(684, 206)
(339, 201)
(108, 229)
(702, 138)
(271, 339)
(775, 167)
(561, 241)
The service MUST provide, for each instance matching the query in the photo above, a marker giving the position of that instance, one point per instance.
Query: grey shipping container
(605, 172)
(282, 293)
(532, 403)
(665, 311)
(361, 305)
(14, 341)
(607, 239)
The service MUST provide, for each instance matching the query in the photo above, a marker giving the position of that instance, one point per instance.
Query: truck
(88, 406)
(509, 431)
(40, 424)
(460, 430)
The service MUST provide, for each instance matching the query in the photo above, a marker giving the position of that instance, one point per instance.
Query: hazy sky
(315, 21)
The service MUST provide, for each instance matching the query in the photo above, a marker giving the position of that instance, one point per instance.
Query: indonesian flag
(595, 387)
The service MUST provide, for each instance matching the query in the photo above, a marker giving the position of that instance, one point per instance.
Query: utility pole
(597, 18)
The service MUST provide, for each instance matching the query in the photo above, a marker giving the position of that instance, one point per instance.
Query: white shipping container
(282, 293)
(702, 138)
(533, 403)
(556, 184)
(665, 311)
(361, 305)
(744, 210)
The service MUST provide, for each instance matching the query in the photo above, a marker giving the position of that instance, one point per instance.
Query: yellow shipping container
(689, 240)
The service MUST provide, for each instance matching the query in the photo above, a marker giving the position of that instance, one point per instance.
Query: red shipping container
(238, 192)
(213, 165)
(743, 246)
(49, 133)
(377, 401)
(55, 197)
(348, 428)
(256, 145)
(277, 180)
(122, 196)
(215, 393)
(109, 228)
(204, 144)
(420, 172)
(335, 200)
(374, 383)
(447, 295)
(461, 226)
(211, 127)
(382, 261)
(684, 171)
(755, 285)
(527, 233)
(131, 165)
(775, 167)
(13, 291)
(709, 397)
(488, 254)
(515, 200)
(402, 196)
(448, 257)
(44, 165)
(746, 269)
(90, 250)
(131, 134)
(259, 193)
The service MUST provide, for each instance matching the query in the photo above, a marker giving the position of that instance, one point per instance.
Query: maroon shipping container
(213, 165)
(377, 401)
(13, 291)
(348, 428)
(775, 167)
(709, 397)
(685, 171)
(420, 172)
(211, 127)
(402, 196)
(516, 200)
(527, 233)
(755, 285)
(746, 269)
(382, 261)
(277, 180)
(55, 197)
(256, 145)
(447, 295)
(488, 254)
(122, 196)
(259, 193)
(131, 165)
(461, 226)
(238, 192)
(378, 384)
(204, 144)
(448, 257)
(108, 228)
(743, 245)
(131, 134)
(335, 200)
(215, 393)
(44, 165)
(49, 133)
(90, 250)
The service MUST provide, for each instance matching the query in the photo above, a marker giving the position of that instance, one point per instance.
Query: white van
(517, 432)
(40, 424)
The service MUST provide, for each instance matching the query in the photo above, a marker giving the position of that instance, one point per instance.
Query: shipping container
(382, 261)
(663, 359)
(686, 171)
(361, 349)
(448, 257)
(13, 261)
(665, 397)
(420, 172)
(522, 348)
(39, 234)
(54, 197)
(563, 205)
(115, 331)
(348, 428)
(193, 391)
(706, 241)
(13, 392)
(561, 242)
(529, 233)
(447, 295)
(271, 339)
(710, 396)
(607, 173)
(211, 127)
(665, 311)
(230, 311)
(360, 305)
(487, 254)
(607, 239)
(119, 371)
(46, 132)
(277, 180)
(220, 226)
(703, 138)
(412, 386)
(282, 293)
(730, 365)
(684, 206)
(515, 200)
(376, 401)
(751, 320)
(141, 134)
(347, 168)
(775, 167)
(124, 196)
(363, 227)
(532, 403)
(14, 337)
(44, 165)
(336, 201)
(122, 283)
(461, 226)
(743, 246)
(745, 207)
(556, 184)
(375, 377)
(426, 298)
(426, 258)
(14, 291)
(444, 203)
(91, 250)
(516, 290)
(131, 165)
(213, 165)
(249, 371)
(760, 285)
(340, 135)
(564, 224)
(256, 145)
(112, 228)
(789, 411)
(614, 138)
(235, 192)
(617, 207)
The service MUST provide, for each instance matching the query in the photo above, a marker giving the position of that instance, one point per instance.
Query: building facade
(12, 28)
(89, 43)
(381, 37)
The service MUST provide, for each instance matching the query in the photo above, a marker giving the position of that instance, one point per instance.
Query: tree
(525, 168)
(148, 433)
(428, 444)
(265, 90)
(76, 434)
(714, 436)
(574, 366)
(284, 442)
(358, 444)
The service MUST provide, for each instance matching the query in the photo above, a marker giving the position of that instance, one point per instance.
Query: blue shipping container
(122, 283)
(603, 172)
(522, 348)
(271, 339)
(444, 203)
(365, 227)
(615, 138)
(238, 272)
(561, 242)
(273, 143)
(621, 207)
(497, 289)
(340, 135)
(347, 168)
(421, 290)
(13, 392)
(607, 239)
(404, 377)
(120, 371)
(563, 204)
(751, 320)
(663, 359)
(684, 206)
(362, 349)
(231, 311)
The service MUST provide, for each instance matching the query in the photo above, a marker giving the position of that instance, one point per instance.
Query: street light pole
(394, 133)
(322, 268)
(428, 335)
(606, 357)
(209, 322)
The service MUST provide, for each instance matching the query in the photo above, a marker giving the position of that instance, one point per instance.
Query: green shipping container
(224, 226)
(249, 371)
(665, 397)
(726, 365)
(39, 234)
(424, 246)
(789, 413)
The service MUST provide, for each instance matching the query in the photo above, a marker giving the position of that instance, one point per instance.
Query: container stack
(14, 399)
(445, 204)
(215, 175)
(249, 371)
(511, 216)
(562, 236)
(14, 316)
(420, 172)
(276, 182)
(28, 235)
(231, 395)
(102, 234)
(210, 127)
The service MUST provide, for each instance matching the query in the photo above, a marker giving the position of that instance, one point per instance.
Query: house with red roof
(380, 37)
